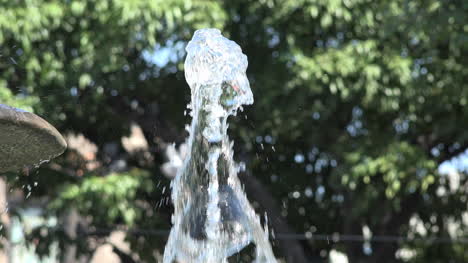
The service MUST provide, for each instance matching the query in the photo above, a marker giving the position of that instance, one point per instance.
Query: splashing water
(212, 217)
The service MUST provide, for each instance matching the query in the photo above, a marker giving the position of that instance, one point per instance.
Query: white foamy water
(212, 217)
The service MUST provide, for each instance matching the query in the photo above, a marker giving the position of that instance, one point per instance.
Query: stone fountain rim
(38, 127)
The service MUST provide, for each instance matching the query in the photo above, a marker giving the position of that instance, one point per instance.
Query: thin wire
(336, 238)
(358, 238)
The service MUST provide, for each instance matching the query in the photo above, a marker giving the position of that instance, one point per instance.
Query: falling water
(212, 217)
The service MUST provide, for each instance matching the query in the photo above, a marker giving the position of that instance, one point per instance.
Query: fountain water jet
(212, 217)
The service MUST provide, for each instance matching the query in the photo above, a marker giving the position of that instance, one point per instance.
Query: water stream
(212, 217)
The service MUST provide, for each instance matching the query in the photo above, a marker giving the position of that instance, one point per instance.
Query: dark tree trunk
(291, 249)
(71, 222)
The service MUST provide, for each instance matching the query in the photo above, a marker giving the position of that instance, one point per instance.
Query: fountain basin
(26, 139)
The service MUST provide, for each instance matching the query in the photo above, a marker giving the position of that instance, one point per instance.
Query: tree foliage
(357, 103)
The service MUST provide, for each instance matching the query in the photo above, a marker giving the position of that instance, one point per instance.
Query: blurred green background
(354, 146)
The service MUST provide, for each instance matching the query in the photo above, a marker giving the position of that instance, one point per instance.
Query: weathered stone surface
(26, 139)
